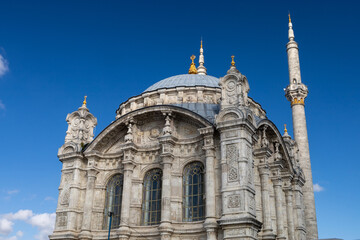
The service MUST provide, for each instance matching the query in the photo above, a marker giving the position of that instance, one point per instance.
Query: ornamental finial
(192, 69)
(232, 60)
(201, 43)
(289, 18)
(285, 130)
(84, 102)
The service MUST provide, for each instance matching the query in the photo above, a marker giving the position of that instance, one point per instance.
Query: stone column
(167, 143)
(124, 231)
(210, 223)
(264, 172)
(277, 182)
(88, 204)
(165, 226)
(289, 212)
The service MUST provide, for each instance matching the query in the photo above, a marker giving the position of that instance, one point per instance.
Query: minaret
(201, 69)
(296, 93)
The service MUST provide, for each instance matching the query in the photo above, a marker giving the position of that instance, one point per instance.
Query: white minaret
(296, 93)
(201, 69)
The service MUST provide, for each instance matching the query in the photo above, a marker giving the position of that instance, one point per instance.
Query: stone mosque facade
(192, 157)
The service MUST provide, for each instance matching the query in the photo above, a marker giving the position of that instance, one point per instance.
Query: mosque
(192, 157)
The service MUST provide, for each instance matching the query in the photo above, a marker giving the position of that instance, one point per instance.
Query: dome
(185, 80)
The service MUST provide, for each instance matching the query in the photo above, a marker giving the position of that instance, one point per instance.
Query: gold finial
(289, 18)
(285, 130)
(232, 60)
(84, 102)
(192, 69)
(201, 44)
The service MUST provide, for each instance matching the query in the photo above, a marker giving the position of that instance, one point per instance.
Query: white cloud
(44, 222)
(6, 226)
(318, 188)
(20, 215)
(2, 105)
(15, 191)
(4, 66)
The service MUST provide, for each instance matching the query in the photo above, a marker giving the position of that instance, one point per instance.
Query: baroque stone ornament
(232, 156)
(234, 201)
(81, 124)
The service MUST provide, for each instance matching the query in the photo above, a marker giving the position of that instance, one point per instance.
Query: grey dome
(185, 80)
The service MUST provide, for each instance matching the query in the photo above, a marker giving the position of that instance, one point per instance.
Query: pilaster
(210, 223)
(88, 203)
(128, 164)
(264, 171)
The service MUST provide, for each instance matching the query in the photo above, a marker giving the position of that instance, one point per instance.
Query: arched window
(151, 208)
(113, 199)
(193, 192)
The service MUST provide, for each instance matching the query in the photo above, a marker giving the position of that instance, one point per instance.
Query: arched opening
(193, 192)
(113, 201)
(151, 207)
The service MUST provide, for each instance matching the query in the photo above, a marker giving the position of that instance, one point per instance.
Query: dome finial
(84, 102)
(201, 70)
(286, 134)
(289, 17)
(232, 60)
(192, 69)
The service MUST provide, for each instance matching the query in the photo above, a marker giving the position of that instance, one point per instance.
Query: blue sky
(55, 52)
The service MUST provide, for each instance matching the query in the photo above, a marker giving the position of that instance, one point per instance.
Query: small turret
(81, 124)
(201, 69)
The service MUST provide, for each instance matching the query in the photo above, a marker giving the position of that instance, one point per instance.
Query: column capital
(129, 166)
(92, 172)
(264, 169)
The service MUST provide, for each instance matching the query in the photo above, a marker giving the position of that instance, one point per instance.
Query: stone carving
(62, 219)
(81, 126)
(252, 204)
(234, 201)
(264, 140)
(65, 195)
(167, 128)
(233, 174)
(129, 136)
(232, 156)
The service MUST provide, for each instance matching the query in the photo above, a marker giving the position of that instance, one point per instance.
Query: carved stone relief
(61, 219)
(234, 201)
(232, 156)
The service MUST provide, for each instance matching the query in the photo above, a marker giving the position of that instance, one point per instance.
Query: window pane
(193, 192)
(113, 200)
(151, 208)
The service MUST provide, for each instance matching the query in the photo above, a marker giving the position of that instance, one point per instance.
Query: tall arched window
(193, 192)
(113, 201)
(151, 208)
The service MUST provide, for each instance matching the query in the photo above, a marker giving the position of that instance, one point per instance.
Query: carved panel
(234, 201)
(232, 156)
(62, 220)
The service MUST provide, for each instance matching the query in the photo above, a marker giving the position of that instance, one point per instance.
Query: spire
(201, 69)
(192, 69)
(286, 135)
(291, 31)
(84, 102)
(232, 67)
